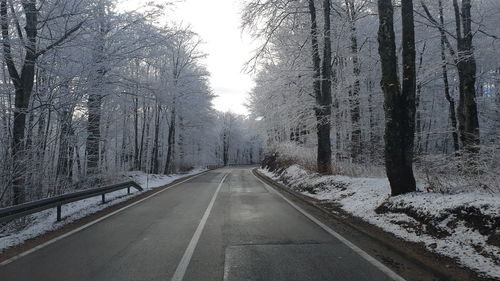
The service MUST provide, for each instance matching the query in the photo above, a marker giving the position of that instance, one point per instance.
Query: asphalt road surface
(222, 225)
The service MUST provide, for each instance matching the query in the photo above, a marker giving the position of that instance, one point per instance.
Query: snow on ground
(45, 221)
(455, 225)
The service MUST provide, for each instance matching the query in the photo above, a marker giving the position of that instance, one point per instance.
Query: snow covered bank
(42, 222)
(463, 226)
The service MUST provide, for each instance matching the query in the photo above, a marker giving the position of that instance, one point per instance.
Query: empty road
(222, 225)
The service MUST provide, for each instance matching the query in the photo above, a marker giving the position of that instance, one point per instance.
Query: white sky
(218, 24)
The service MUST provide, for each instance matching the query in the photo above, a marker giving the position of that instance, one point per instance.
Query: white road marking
(5, 262)
(393, 275)
(186, 258)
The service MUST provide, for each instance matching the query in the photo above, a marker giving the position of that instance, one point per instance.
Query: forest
(379, 117)
(89, 92)
(350, 86)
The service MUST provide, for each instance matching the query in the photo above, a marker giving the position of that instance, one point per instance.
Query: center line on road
(186, 258)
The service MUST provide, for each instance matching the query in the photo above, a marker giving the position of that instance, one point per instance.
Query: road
(222, 225)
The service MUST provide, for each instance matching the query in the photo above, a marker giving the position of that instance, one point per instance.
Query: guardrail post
(103, 198)
(59, 213)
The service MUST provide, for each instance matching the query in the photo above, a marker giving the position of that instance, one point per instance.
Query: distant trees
(91, 93)
(240, 141)
(465, 62)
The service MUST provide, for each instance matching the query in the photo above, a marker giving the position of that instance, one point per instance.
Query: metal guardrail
(21, 210)
(213, 167)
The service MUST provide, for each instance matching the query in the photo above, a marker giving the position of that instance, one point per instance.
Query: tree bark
(322, 87)
(444, 71)
(94, 102)
(23, 85)
(137, 165)
(94, 133)
(468, 122)
(169, 165)
(64, 163)
(155, 164)
(355, 88)
(399, 103)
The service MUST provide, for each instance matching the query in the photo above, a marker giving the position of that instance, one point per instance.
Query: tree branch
(440, 27)
(7, 52)
(60, 40)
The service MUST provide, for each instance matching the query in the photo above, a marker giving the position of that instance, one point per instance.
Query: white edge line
(353, 247)
(188, 254)
(6, 262)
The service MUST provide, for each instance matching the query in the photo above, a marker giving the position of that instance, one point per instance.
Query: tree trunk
(144, 120)
(444, 70)
(355, 144)
(399, 103)
(322, 87)
(468, 122)
(94, 132)
(65, 147)
(155, 164)
(171, 143)
(23, 85)
(95, 98)
(418, 121)
(226, 138)
(137, 165)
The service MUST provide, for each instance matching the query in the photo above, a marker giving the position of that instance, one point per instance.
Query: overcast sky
(217, 22)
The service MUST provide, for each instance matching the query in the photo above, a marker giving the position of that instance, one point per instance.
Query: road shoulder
(79, 224)
(410, 260)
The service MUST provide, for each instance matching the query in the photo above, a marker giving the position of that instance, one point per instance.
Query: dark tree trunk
(137, 165)
(180, 143)
(444, 69)
(169, 165)
(226, 138)
(64, 163)
(399, 103)
(146, 139)
(373, 132)
(155, 164)
(322, 87)
(418, 121)
(23, 85)
(225, 149)
(143, 134)
(94, 132)
(466, 64)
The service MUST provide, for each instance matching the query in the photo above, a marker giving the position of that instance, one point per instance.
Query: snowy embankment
(463, 226)
(45, 221)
